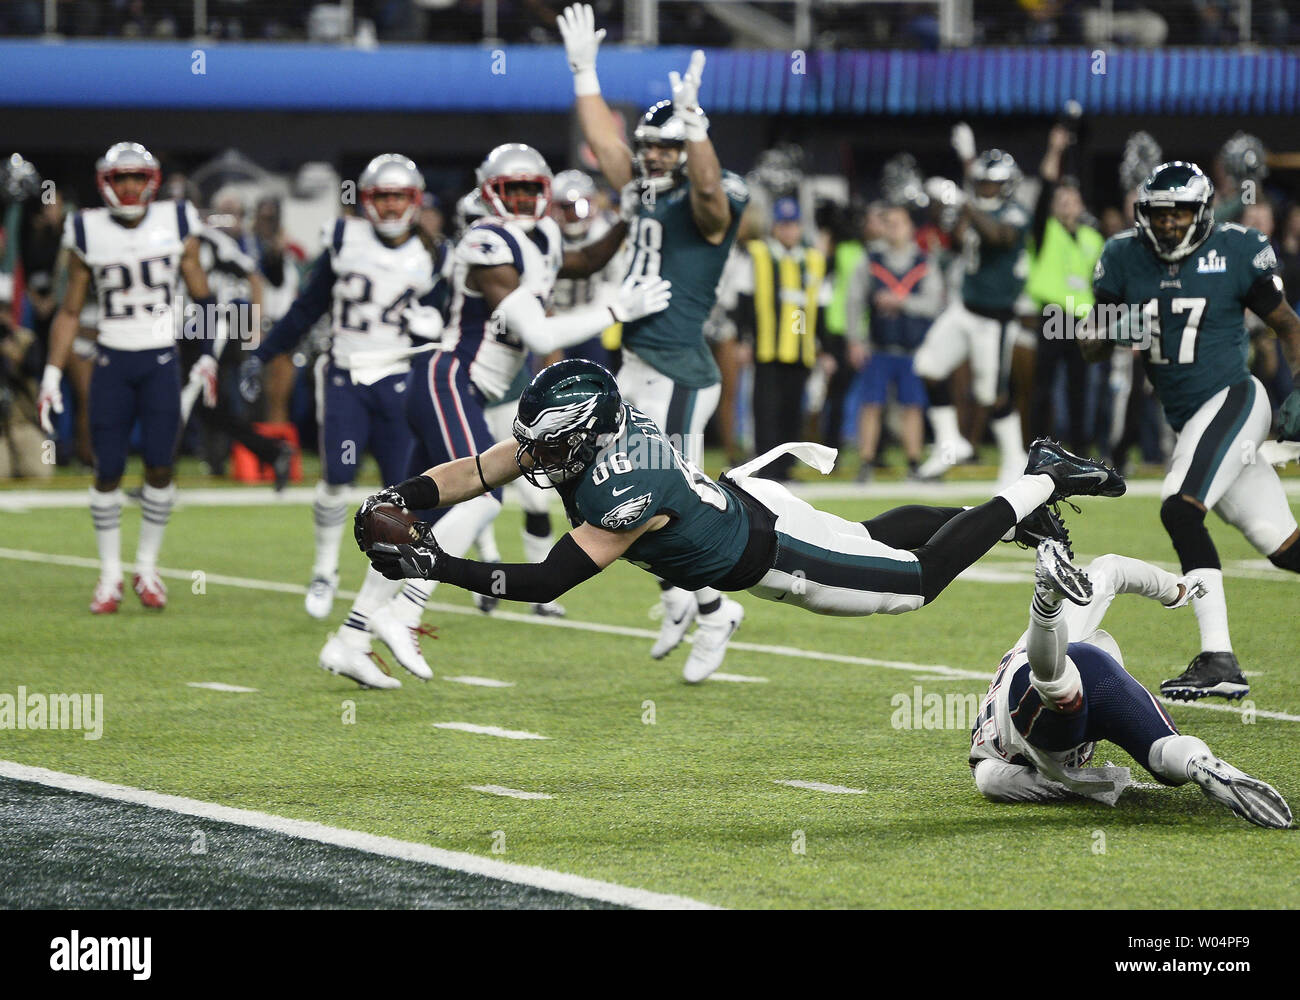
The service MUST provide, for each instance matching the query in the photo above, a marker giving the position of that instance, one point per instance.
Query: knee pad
(538, 524)
(1186, 526)
(1288, 559)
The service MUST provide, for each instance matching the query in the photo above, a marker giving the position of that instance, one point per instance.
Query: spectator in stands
(904, 290)
(23, 448)
(41, 236)
(780, 310)
(1288, 254)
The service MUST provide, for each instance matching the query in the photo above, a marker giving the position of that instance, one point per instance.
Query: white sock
(707, 595)
(1027, 494)
(106, 512)
(376, 591)
(1170, 756)
(944, 421)
(487, 545)
(455, 531)
(329, 512)
(537, 547)
(156, 508)
(1212, 613)
(1006, 431)
(408, 606)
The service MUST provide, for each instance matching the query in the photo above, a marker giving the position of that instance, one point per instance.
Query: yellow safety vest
(786, 331)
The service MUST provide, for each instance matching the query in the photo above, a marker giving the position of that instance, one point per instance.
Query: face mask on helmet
(567, 415)
(391, 174)
(660, 130)
(515, 184)
(993, 168)
(1172, 186)
(128, 178)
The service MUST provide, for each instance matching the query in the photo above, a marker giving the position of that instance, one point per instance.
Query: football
(389, 523)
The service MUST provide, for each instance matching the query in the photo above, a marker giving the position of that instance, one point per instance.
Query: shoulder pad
(187, 219)
(488, 245)
(74, 233)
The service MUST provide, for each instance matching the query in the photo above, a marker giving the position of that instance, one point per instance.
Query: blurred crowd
(834, 25)
(821, 309)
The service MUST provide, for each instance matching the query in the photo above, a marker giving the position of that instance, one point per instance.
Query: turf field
(652, 784)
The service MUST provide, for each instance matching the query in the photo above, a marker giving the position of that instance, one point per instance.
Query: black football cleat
(1042, 524)
(1073, 476)
(1208, 674)
(282, 465)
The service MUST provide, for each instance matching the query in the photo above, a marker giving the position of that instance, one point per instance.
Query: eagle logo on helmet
(1177, 184)
(567, 413)
(660, 127)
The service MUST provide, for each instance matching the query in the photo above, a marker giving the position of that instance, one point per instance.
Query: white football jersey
(492, 354)
(135, 270)
(373, 285)
(573, 292)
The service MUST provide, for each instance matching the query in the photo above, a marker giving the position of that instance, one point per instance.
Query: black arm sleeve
(1101, 328)
(1041, 211)
(534, 583)
(1264, 295)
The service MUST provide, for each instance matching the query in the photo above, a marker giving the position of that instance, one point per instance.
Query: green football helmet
(1177, 184)
(567, 414)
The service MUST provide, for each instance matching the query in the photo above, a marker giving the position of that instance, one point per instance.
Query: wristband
(419, 493)
(586, 83)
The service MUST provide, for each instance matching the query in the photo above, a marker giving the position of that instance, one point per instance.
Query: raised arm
(577, 25)
(709, 205)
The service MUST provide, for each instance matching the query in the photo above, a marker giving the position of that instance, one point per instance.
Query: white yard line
(540, 878)
(821, 786)
(737, 679)
(218, 686)
(510, 793)
(942, 671)
(486, 682)
(505, 734)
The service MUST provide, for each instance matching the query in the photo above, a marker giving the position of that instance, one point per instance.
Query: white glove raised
(640, 297)
(577, 24)
(963, 141)
(204, 373)
(50, 398)
(686, 98)
(942, 191)
(1190, 587)
(424, 322)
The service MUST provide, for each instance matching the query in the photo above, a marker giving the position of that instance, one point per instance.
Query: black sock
(1287, 558)
(961, 542)
(711, 606)
(1185, 523)
(909, 527)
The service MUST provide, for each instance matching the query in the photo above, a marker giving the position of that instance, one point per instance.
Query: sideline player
(1185, 283)
(688, 210)
(1063, 689)
(135, 250)
(629, 493)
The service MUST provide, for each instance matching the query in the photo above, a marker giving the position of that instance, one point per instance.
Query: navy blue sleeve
(311, 304)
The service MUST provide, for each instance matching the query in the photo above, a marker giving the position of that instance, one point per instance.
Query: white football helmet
(575, 197)
(127, 158)
(391, 172)
(1000, 168)
(469, 210)
(509, 164)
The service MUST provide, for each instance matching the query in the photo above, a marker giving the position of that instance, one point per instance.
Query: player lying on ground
(1052, 700)
(629, 493)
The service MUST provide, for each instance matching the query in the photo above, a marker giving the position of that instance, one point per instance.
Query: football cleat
(150, 589)
(942, 458)
(548, 610)
(1072, 475)
(403, 640)
(1208, 674)
(365, 668)
(1043, 523)
(1054, 574)
(679, 610)
(710, 642)
(107, 598)
(282, 465)
(1251, 799)
(320, 595)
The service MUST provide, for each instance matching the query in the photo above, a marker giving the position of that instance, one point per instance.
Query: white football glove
(631, 199)
(945, 192)
(686, 98)
(640, 297)
(577, 24)
(50, 398)
(204, 373)
(963, 141)
(1190, 587)
(424, 322)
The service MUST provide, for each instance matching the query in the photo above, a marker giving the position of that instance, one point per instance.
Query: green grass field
(654, 784)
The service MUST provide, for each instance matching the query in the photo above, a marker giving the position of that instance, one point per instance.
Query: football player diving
(1063, 688)
(685, 211)
(629, 493)
(1176, 287)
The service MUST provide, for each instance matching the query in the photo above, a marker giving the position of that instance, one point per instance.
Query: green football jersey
(667, 243)
(1191, 312)
(995, 276)
(641, 475)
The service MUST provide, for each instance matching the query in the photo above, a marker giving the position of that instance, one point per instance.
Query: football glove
(204, 373)
(403, 562)
(424, 322)
(50, 398)
(386, 495)
(686, 98)
(1190, 587)
(577, 24)
(250, 379)
(631, 198)
(1289, 415)
(963, 142)
(636, 298)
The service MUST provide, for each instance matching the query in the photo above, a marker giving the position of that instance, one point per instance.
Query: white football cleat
(679, 610)
(943, 457)
(548, 610)
(339, 658)
(711, 637)
(320, 595)
(403, 640)
(1248, 797)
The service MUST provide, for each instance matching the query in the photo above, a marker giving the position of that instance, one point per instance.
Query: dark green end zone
(67, 850)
